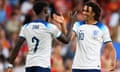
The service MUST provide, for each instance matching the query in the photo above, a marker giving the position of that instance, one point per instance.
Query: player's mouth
(85, 16)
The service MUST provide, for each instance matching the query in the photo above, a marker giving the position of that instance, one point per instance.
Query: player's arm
(111, 53)
(109, 49)
(65, 38)
(16, 49)
(69, 35)
(69, 28)
(14, 53)
(67, 32)
(18, 44)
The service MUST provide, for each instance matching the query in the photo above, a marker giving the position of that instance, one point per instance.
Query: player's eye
(85, 10)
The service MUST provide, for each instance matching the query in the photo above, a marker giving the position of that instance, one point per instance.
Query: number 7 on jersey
(36, 41)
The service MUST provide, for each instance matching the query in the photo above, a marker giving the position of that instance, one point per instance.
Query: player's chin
(85, 19)
(112, 70)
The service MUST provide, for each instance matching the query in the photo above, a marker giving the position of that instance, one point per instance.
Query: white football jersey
(39, 35)
(89, 41)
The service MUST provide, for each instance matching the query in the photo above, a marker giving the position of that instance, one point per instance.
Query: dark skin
(43, 15)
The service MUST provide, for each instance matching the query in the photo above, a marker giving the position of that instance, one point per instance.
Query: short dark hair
(53, 10)
(39, 5)
(95, 8)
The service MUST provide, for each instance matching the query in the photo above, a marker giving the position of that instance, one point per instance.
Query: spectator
(56, 60)
(3, 17)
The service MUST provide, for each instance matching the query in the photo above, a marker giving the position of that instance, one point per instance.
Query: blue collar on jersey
(42, 21)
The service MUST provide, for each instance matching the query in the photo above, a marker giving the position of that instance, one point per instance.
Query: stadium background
(15, 13)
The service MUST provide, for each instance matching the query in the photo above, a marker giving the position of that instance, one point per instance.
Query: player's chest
(88, 32)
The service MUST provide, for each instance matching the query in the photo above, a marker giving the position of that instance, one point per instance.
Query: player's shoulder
(101, 26)
(50, 25)
(39, 21)
(25, 26)
(79, 23)
(45, 23)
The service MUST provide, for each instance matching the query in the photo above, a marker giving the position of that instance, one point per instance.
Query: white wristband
(10, 66)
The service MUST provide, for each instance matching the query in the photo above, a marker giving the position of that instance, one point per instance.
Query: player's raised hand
(73, 15)
(60, 20)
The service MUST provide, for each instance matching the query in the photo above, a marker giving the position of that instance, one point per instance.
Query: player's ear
(45, 11)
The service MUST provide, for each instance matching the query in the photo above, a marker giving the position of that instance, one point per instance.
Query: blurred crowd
(15, 13)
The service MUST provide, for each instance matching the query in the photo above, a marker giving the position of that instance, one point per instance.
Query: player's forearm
(113, 57)
(65, 38)
(112, 54)
(110, 50)
(69, 32)
(69, 29)
(16, 50)
(63, 28)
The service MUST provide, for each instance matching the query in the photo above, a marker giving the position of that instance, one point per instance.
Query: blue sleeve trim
(107, 42)
(79, 23)
(82, 22)
(100, 26)
(49, 25)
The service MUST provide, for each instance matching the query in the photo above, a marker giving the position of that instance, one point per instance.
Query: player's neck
(91, 21)
(41, 18)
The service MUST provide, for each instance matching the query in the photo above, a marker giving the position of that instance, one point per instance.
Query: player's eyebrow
(89, 8)
(85, 8)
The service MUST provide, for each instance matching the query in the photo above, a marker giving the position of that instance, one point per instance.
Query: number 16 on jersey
(81, 35)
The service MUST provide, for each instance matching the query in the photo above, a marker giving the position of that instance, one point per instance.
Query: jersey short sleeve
(21, 34)
(77, 24)
(55, 31)
(75, 27)
(106, 35)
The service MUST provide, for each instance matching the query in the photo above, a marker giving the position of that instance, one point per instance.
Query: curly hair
(96, 9)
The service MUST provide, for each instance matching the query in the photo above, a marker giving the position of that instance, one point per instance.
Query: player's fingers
(114, 64)
(59, 19)
(74, 14)
(76, 10)
(113, 67)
